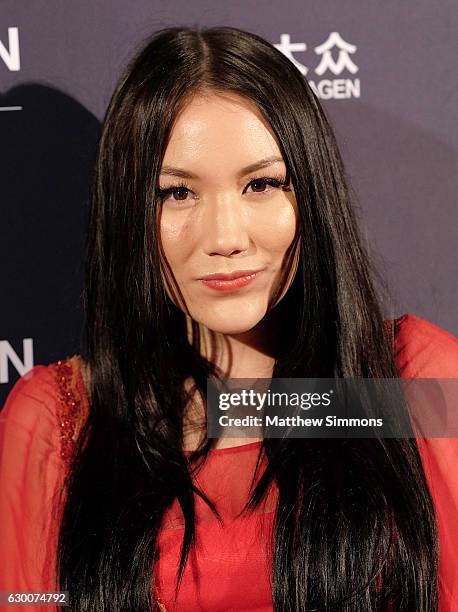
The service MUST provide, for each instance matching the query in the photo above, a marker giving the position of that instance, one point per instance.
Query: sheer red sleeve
(37, 427)
(427, 351)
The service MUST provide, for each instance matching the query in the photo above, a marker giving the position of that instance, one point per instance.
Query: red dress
(37, 427)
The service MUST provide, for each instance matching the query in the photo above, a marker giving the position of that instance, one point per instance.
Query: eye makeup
(277, 181)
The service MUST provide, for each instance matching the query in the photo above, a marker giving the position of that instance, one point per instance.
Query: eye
(259, 184)
(179, 192)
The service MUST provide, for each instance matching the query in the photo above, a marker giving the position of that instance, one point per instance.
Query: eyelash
(273, 181)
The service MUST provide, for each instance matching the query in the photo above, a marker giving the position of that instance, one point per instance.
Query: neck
(250, 354)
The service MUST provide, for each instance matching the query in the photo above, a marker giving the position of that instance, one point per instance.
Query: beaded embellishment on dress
(70, 405)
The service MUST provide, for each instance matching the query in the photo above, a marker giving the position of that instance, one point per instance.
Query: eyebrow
(263, 163)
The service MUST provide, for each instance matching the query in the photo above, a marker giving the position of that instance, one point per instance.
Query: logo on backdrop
(10, 58)
(9, 52)
(8, 354)
(333, 58)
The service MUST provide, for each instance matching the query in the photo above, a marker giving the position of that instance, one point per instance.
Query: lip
(231, 276)
(239, 279)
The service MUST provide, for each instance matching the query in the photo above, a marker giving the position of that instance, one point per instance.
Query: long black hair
(354, 525)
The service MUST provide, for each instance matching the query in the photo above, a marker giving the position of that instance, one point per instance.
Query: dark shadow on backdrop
(46, 159)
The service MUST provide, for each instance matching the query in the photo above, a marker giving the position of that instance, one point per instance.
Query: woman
(216, 158)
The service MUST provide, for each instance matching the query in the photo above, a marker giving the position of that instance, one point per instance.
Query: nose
(225, 226)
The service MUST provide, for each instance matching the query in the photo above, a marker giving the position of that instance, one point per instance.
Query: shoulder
(46, 404)
(33, 396)
(423, 349)
(35, 450)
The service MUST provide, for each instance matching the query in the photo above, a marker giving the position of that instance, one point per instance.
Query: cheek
(276, 227)
(174, 246)
(175, 252)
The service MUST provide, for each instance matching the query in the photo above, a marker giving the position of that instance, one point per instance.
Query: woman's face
(229, 215)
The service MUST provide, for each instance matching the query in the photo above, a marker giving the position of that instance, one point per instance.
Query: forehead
(224, 130)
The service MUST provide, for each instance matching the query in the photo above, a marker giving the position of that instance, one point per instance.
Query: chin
(230, 317)
(232, 323)
(232, 330)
